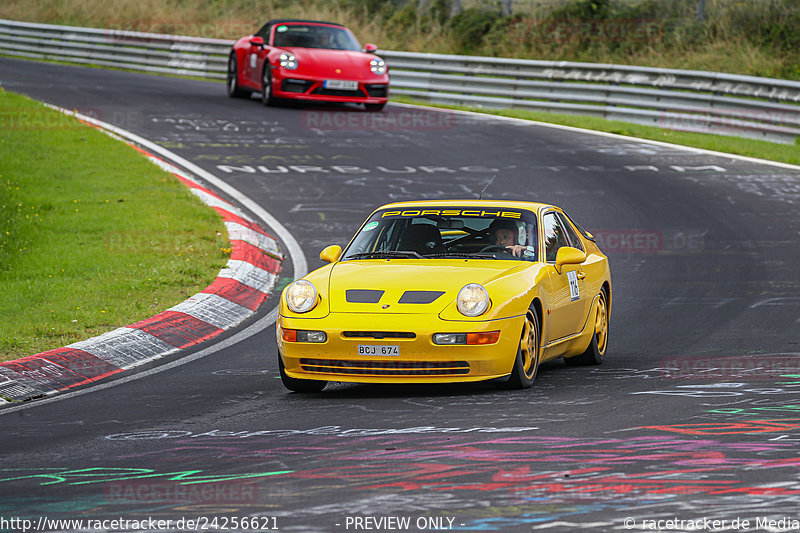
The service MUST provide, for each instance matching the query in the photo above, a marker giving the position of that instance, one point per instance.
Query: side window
(573, 236)
(264, 32)
(554, 236)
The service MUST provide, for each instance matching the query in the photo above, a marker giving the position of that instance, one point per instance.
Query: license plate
(378, 349)
(344, 85)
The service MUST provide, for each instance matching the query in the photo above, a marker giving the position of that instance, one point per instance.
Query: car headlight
(288, 61)
(301, 296)
(377, 65)
(472, 300)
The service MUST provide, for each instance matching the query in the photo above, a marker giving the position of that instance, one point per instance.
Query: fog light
(300, 335)
(450, 338)
(311, 336)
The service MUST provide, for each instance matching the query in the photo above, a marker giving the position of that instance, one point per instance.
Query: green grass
(720, 143)
(93, 236)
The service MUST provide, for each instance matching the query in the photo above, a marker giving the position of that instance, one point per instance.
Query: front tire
(597, 348)
(374, 107)
(266, 87)
(526, 364)
(299, 385)
(232, 85)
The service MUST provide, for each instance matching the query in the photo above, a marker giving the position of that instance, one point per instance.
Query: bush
(469, 28)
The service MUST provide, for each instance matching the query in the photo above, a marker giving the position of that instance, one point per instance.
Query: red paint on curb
(227, 216)
(177, 329)
(244, 251)
(237, 292)
(48, 372)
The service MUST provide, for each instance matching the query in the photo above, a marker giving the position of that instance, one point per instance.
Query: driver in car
(503, 233)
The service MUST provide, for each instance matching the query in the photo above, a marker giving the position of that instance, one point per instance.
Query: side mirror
(568, 255)
(331, 254)
(370, 48)
(257, 41)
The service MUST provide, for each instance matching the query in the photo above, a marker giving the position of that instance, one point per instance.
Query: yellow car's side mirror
(331, 253)
(568, 255)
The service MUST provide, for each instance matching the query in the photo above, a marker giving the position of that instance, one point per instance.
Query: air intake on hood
(420, 297)
(363, 296)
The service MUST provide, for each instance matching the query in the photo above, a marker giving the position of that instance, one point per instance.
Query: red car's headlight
(287, 61)
(377, 65)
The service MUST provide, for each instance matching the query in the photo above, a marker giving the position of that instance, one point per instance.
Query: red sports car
(307, 60)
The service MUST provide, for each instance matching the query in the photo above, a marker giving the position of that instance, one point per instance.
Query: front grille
(377, 91)
(386, 368)
(379, 334)
(337, 92)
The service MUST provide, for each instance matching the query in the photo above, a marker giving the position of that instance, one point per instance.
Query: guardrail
(711, 102)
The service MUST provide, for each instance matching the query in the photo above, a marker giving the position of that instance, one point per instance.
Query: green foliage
(583, 10)
(757, 37)
(92, 235)
(469, 28)
(775, 24)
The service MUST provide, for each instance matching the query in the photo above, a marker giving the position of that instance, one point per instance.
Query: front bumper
(311, 88)
(419, 359)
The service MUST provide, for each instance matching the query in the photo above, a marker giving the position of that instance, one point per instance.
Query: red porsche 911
(307, 60)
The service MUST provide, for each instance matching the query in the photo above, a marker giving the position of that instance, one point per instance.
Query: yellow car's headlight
(301, 296)
(472, 300)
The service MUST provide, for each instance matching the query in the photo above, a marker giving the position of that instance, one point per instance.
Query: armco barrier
(725, 104)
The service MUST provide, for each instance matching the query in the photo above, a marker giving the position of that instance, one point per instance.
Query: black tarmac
(693, 417)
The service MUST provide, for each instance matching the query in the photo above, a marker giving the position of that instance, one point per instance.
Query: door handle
(581, 275)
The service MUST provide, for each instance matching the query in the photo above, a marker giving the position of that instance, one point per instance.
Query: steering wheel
(495, 247)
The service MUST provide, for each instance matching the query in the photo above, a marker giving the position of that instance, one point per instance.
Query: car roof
(518, 204)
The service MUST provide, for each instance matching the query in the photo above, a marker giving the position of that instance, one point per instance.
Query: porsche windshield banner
(453, 212)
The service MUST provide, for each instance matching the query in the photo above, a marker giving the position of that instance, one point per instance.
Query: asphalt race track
(693, 416)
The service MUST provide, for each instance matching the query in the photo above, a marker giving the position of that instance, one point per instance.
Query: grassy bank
(756, 37)
(92, 235)
(719, 143)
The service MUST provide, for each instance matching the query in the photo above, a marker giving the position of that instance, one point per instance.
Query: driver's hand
(516, 249)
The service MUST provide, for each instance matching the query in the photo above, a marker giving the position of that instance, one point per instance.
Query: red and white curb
(235, 295)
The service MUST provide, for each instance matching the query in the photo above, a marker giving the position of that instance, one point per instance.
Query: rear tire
(233, 89)
(299, 385)
(597, 348)
(526, 364)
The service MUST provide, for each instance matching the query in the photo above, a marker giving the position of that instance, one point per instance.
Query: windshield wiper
(467, 255)
(388, 254)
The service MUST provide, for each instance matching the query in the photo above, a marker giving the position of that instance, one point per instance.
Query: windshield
(315, 36)
(468, 232)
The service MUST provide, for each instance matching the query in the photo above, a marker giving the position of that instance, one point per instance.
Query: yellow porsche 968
(448, 291)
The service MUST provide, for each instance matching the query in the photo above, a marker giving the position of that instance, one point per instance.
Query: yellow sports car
(448, 291)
